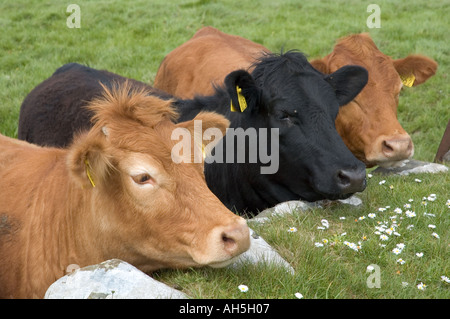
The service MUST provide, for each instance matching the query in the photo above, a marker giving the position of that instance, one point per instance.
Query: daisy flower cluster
(391, 223)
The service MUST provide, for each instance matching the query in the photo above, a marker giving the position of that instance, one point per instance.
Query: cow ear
(88, 161)
(347, 82)
(421, 67)
(320, 65)
(242, 89)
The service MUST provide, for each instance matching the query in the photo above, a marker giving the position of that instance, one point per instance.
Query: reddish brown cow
(114, 193)
(207, 58)
(368, 125)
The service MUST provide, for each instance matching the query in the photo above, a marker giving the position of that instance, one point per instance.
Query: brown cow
(114, 193)
(207, 58)
(368, 125)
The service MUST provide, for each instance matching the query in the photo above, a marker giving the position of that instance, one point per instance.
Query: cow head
(150, 211)
(368, 124)
(286, 92)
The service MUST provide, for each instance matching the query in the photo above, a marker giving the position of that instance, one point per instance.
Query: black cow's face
(285, 92)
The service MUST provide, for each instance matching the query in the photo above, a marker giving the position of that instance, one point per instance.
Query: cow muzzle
(350, 181)
(224, 243)
(391, 151)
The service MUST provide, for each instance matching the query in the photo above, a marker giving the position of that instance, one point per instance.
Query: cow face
(368, 124)
(287, 93)
(152, 212)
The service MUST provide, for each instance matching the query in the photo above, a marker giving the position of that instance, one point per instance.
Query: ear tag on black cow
(88, 172)
(241, 100)
(408, 80)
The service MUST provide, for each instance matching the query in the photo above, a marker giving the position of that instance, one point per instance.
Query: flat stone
(282, 209)
(112, 279)
(261, 252)
(289, 207)
(412, 167)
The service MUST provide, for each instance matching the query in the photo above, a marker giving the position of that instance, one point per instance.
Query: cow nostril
(235, 238)
(351, 181)
(398, 148)
(343, 178)
(227, 239)
(387, 148)
(229, 243)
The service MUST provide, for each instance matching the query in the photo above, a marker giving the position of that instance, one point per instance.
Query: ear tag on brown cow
(241, 100)
(408, 80)
(88, 172)
(204, 151)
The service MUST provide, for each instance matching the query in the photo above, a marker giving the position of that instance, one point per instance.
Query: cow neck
(66, 221)
(51, 205)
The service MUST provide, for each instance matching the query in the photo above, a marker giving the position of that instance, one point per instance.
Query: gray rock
(446, 157)
(112, 279)
(261, 252)
(412, 167)
(289, 207)
(282, 209)
(352, 201)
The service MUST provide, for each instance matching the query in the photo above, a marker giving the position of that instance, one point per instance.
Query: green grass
(335, 270)
(131, 39)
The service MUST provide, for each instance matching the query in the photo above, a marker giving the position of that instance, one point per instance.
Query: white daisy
(435, 235)
(325, 223)
(298, 295)
(400, 261)
(243, 288)
(421, 286)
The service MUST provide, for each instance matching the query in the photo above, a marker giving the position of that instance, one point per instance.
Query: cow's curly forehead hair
(132, 119)
(123, 102)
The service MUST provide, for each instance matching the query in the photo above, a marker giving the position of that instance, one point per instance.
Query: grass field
(131, 39)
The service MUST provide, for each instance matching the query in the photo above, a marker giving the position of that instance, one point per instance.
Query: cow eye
(142, 179)
(287, 116)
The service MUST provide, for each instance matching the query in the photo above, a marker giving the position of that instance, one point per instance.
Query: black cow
(53, 111)
(284, 92)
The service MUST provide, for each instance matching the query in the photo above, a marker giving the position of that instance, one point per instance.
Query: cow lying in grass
(115, 192)
(368, 124)
(311, 162)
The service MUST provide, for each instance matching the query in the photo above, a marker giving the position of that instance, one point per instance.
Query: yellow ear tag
(88, 172)
(408, 80)
(204, 151)
(241, 100)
